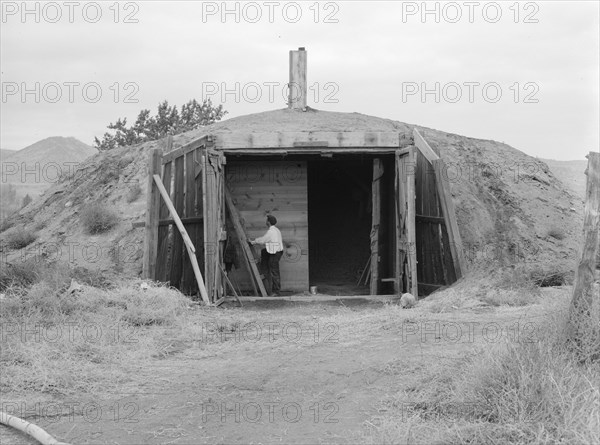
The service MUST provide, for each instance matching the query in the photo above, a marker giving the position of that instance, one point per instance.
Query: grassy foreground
(58, 341)
(518, 393)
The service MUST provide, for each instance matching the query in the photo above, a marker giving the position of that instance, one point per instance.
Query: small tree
(168, 120)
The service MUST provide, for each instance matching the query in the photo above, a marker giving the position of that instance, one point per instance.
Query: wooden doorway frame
(203, 162)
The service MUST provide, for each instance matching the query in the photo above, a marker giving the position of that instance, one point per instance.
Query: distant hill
(5, 154)
(45, 158)
(570, 173)
(35, 168)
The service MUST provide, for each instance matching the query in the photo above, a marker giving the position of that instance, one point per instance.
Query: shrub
(557, 233)
(134, 193)
(108, 174)
(97, 218)
(19, 238)
(19, 274)
(25, 273)
(156, 305)
(93, 278)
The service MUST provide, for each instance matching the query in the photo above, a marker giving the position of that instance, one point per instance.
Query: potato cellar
(363, 205)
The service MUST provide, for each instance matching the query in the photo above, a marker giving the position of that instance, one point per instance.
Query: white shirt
(272, 240)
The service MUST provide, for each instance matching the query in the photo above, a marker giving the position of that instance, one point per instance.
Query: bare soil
(324, 387)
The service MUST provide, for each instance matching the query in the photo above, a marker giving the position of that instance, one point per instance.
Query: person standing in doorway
(270, 255)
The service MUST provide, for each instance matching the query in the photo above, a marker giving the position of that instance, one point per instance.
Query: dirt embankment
(510, 207)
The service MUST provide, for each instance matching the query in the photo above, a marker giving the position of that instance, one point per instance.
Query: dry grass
(17, 238)
(516, 285)
(477, 290)
(59, 342)
(516, 393)
(584, 330)
(535, 391)
(97, 218)
(509, 297)
(19, 274)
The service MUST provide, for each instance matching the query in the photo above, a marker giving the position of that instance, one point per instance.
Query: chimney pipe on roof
(297, 90)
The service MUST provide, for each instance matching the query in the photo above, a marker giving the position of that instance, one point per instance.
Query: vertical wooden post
(205, 213)
(376, 221)
(297, 86)
(152, 211)
(410, 221)
(398, 231)
(211, 242)
(580, 315)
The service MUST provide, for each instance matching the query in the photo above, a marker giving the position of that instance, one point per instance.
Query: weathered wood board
(280, 188)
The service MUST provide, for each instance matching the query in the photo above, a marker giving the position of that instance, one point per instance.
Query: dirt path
(321, 388)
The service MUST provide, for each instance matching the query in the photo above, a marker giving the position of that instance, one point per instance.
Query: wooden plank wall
(188, 282)
(434, 259)
(280, 188)
(152, 214)
(182, 180)
(178, 201)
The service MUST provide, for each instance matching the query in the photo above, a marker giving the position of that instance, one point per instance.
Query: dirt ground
(289, 373)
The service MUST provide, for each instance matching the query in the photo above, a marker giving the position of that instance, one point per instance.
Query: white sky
(366, 61)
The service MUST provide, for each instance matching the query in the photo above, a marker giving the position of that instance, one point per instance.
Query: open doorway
(339, 223)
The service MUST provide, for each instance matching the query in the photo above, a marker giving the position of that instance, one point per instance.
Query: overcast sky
(523, 73)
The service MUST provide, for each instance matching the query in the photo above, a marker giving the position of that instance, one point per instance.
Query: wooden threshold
(317, 298)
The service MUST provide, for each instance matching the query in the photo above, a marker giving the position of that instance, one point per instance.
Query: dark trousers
(270, 268)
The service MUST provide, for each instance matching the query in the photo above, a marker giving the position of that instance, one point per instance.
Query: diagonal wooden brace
(186, 239)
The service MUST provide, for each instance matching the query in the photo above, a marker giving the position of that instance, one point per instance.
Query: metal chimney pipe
(297, 90)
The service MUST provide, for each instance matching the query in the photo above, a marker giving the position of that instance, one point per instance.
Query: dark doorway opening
(339, 223)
